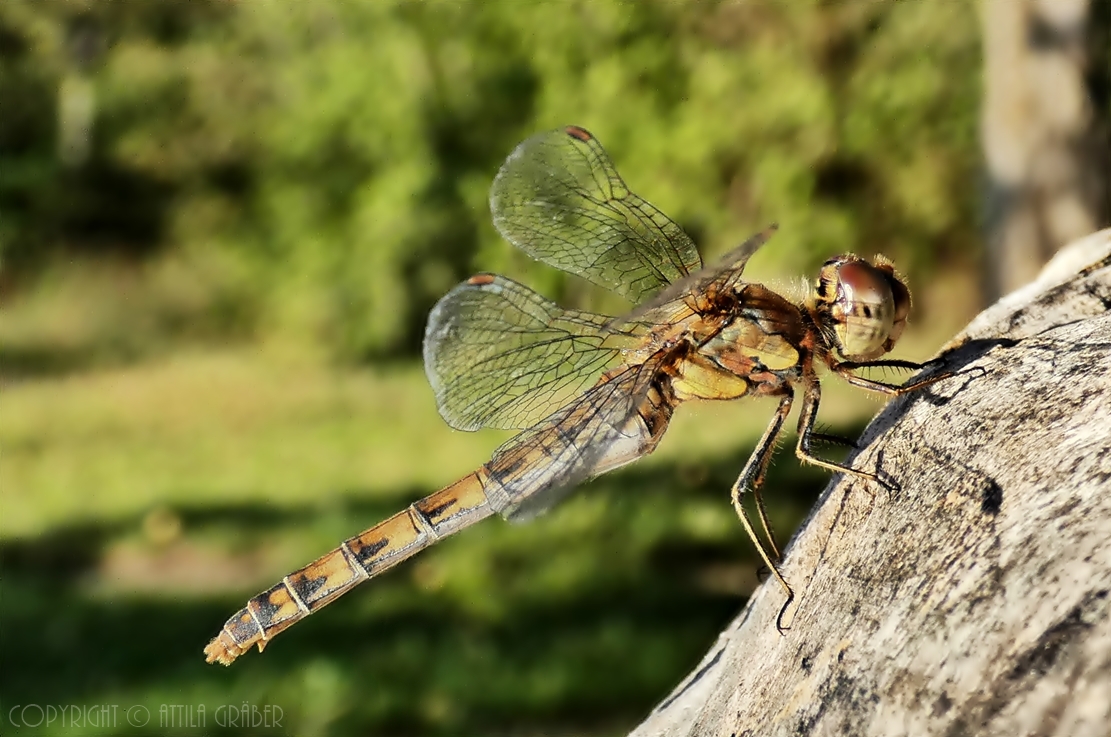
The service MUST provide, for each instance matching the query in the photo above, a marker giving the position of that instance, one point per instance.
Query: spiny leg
(884, 363)
(812, 398)
(823, 437)
(813, 395)
(757, 483)
(752, 477)
(845, 370)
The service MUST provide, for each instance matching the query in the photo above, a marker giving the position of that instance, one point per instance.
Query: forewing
(497, 354)
(559, 199)
(700, 291)
(599, 431)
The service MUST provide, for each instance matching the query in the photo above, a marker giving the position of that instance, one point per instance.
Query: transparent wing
(559, 199)
(600, 431)
(700, 292)
(497, 354)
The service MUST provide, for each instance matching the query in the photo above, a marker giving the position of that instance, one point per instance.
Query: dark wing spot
(580, 133)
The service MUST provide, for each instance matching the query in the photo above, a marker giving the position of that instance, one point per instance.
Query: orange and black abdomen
(366, 555)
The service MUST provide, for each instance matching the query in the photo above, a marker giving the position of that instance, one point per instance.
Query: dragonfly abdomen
(357, 559)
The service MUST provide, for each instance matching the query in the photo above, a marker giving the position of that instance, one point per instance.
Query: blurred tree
(76, 96)
(326, 164)
(1045, 141)
(63, 188)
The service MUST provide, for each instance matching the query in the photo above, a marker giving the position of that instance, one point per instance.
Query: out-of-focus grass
(230, 427)
(142, 505)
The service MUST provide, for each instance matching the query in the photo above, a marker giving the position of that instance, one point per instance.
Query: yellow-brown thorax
(856, 312)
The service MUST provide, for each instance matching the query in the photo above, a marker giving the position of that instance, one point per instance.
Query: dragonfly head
(862, 306)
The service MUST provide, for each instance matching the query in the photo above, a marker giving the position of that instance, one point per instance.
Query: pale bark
(1044, 146)
(975, 598)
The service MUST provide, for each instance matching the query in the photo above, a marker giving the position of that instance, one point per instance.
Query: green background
(211, 327)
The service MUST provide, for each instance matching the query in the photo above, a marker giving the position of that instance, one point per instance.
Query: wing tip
(580, 133)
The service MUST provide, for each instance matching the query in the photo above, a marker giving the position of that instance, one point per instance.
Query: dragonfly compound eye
(866, 304)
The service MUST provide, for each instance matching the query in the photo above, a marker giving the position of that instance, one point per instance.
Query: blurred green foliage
(143, 505)
(315, 174)
(320, 170)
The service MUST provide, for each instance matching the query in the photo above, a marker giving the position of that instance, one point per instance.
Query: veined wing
(614, 423)
(559, 199)
(701, 291)
(497, 354)
(606, 428)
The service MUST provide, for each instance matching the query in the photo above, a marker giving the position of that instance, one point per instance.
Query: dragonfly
(589, 392)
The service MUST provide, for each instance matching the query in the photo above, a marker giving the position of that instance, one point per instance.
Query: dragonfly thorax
(862, 307)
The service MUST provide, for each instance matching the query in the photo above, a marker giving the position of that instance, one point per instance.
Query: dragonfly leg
(752, 477)
(811, 399)
(845, 370)
(832, 439)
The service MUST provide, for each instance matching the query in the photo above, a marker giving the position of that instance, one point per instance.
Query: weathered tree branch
(975, 599)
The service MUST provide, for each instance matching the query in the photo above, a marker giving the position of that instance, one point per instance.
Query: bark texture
(975, 598)
(1045, 145)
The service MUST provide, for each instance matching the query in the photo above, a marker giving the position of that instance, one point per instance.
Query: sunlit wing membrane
(559, 199)
(497, 354)
(725, 273)
(698, 291)
(599, 432)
